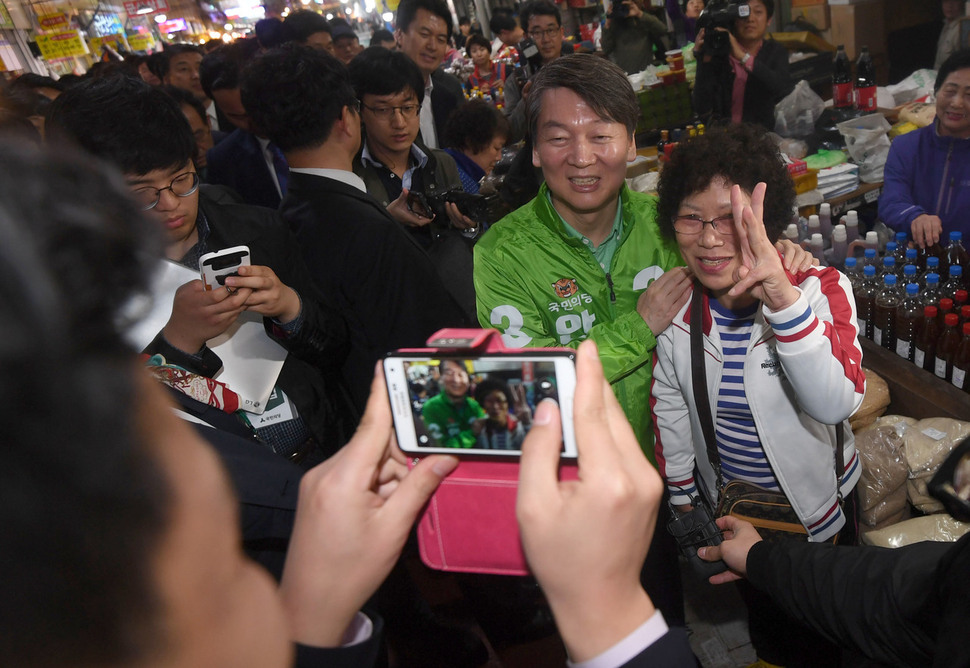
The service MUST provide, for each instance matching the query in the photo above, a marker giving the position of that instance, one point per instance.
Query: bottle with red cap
(961, 361)
(946, 347)
(865, 83)
(946, 307)
(924, 354)
(960, 299)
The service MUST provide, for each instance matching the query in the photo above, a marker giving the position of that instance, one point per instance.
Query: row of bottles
(858, 93)
(919, 324)
(670, 138)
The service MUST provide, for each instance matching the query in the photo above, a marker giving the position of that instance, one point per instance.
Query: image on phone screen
(479, 405)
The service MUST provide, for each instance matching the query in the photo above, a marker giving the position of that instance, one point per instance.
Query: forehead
(543, 21)
(565, 107)
(757, 5)
(428, 21)
(716, 194)
(452, 364)
(401, 96)
(959, 78)
(187, 58)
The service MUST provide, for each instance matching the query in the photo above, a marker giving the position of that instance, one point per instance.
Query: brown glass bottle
(909, 318)
(946, 347)
(884, 313)
(961, 361)
(964, 314)
(925, 354)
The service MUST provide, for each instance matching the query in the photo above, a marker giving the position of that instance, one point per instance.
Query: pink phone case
(469, 524)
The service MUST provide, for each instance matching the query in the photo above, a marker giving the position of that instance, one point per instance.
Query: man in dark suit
(245, 161)
(382, 281)
(423, 27)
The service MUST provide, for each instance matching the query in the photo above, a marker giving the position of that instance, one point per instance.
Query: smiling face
(390, 135)
(754, 27)
(454, 377)
(425, 41)
(583, 159)
(953, 105)
(177, 215)
(496, 405)
(713, 256)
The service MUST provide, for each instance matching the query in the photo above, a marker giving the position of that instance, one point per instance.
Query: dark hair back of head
(125, 121)
(599, 82)
(408, 9)
(34, 81)
(185, 98)
(538, 8)
(380, 71)
(382, 35)
(270, 33)
(299, 25)
(220, 69)
(297, 121)
(958, 61)
(501, 20)
(82, 504)
(741, 154)
(473, 126)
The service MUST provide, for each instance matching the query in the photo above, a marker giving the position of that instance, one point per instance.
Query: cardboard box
(859, 25)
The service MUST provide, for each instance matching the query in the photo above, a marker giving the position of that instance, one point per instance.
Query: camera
(530, 60)
(432, 205)
(719, 14)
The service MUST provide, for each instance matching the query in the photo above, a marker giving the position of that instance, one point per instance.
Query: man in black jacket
(380, 279)
(143, 132)
(423, 29)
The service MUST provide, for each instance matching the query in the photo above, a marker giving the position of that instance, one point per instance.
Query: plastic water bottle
(817, 248)
(825, 220)
(853, 272)
(840, 248)
(884, 313)
(865, 301)
(909, 315)
(851, 226)
(931, 290)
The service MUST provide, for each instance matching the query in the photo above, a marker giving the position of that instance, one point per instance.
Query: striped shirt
(742, 457)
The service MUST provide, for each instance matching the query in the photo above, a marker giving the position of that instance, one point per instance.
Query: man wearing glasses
(143, 132)
(543, 24)
(403, 173)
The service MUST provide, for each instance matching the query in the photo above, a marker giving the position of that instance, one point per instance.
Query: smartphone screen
(477, 405)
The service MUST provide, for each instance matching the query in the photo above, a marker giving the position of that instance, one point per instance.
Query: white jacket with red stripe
(802, 374)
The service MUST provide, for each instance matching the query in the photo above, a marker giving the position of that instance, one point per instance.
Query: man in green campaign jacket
(585, 258)
(451, 417)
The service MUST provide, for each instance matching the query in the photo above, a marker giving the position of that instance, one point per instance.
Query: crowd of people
(177, 529)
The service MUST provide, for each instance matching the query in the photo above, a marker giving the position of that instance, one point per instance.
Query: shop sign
(133, 6)
(6, 22)
(116, 42)
(52, 21)
(140, 42)
(61, 45)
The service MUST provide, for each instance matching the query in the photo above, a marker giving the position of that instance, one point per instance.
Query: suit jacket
(446, 96)
(376, 275)
(671, 651)
(310, 375)
(237, 161)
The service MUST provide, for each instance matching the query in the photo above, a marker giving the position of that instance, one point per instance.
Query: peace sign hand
(761, 274)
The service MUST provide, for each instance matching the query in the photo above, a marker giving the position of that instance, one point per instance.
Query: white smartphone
(216, 266)
(477, 405)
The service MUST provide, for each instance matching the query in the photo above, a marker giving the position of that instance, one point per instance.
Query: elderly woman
(502, 430)
(779, 351)
(475, 135)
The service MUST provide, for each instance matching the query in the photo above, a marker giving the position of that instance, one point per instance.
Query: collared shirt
(605, 251)
(191, 257)
(268, 159)
(412, 175)
(428, 133)
(341, 175)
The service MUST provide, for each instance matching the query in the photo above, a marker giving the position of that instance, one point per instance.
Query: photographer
(741, 76)
(630, 34)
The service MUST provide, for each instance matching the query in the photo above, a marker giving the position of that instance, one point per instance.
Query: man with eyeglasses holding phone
(143, 132)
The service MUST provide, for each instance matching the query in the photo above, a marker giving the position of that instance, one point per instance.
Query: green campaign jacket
(542, 288)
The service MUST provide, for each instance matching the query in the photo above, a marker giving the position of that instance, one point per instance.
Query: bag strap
(698, 377)
(703, 406)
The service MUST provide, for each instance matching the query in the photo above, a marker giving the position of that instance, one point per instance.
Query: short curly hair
(472, 126)
(741, 154)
